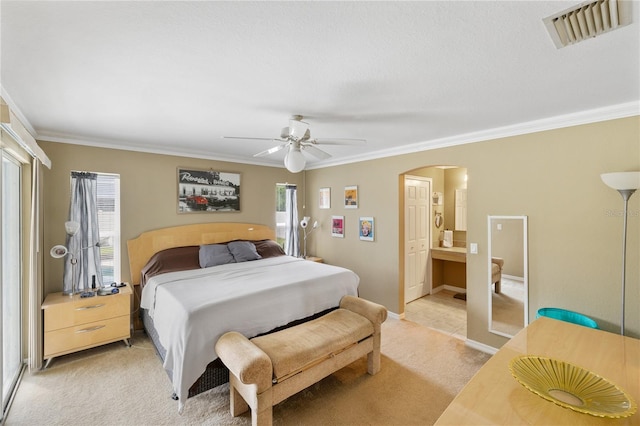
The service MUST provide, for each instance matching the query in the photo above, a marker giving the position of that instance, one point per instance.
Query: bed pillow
(268, 248)
(171, 260)
(214, 255)
(243, 251)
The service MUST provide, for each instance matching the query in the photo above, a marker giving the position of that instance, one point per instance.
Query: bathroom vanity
(449, 267)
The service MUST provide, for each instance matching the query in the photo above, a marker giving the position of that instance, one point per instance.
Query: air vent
(587, 20)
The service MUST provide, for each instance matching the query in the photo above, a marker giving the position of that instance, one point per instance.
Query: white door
(417, 236)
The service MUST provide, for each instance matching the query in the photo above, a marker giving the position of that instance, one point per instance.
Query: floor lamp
(626, 184)
(59, 251)
(304, 223)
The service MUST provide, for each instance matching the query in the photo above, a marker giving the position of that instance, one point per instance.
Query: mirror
(508, 274)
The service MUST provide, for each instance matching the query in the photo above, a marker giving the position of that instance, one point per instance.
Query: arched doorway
(441, 280)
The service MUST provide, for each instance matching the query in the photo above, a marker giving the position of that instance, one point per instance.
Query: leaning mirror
(508, 277)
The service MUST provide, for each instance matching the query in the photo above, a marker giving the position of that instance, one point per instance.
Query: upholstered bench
(268, 369)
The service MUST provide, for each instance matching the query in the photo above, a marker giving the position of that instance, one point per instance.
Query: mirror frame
(525, 254)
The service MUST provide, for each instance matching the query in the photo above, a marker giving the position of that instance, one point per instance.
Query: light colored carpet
(422, 370)
(508, 307)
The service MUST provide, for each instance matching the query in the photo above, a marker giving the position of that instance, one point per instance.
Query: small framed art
(337, 226)
(351, 197)
(366, 228)
(324, 199)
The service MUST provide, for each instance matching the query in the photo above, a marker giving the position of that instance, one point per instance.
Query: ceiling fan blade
(316, 152)
(339, 141)
(254, 139)
(271, 150)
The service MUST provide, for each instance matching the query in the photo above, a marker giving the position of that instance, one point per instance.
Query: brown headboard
(148, 243)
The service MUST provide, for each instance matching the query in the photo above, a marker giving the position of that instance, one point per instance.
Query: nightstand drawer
(86, 310)
(71, 339)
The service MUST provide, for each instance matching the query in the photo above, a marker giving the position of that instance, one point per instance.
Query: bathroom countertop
(454, 254)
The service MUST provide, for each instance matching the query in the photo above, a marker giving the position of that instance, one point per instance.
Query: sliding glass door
(11, 267)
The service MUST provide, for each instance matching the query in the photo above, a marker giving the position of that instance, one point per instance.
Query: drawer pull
(84, 308)
(86, 330)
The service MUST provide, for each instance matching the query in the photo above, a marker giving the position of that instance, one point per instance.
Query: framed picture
(366, 228)
(324, 198)
(337, 226)
(350, 197)
(208, 191)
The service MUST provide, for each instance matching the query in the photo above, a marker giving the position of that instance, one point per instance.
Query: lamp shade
(58, 251)
(71, 227)
(294, 160)
(305, 222)
(622, 180)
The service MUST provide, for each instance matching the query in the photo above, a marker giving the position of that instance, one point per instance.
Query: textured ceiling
(175, 77)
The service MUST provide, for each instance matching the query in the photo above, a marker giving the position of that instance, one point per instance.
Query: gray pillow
(214, 255)
(243, 251)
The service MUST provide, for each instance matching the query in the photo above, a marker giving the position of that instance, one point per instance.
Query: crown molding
(612, 112)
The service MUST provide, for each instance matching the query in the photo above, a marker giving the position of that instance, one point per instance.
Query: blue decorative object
(567, 316)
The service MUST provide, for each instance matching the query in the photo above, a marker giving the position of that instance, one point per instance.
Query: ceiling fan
(297, 138)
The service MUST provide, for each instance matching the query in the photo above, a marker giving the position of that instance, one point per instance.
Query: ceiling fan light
(294, 160)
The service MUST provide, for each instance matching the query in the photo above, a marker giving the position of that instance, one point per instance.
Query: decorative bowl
(572, 387)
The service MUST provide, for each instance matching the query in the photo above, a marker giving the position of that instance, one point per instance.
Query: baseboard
(437, 289)
(480, 347)
(393, 315)
(448, 287)
(456, 289)
(513, 278)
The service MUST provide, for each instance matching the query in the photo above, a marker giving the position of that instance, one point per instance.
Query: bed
(200, 281)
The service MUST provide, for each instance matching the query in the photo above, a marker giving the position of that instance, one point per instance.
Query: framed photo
(337, 226)
(208, 191)
(350, 197)
(324, 198)
(366, 228)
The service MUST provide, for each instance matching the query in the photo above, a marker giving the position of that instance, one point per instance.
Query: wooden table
(493, 396)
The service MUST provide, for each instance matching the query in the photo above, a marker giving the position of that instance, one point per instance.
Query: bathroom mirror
(508, 274)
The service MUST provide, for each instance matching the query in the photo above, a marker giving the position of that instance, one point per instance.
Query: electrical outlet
(473, 248)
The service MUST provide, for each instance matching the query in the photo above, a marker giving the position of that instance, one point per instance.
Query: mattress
(192, 309)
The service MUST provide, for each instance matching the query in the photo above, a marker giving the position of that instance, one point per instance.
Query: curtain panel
(36, 290)
(291, 241)
(83, 263)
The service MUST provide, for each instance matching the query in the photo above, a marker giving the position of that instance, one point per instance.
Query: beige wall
(508, 244)
(552, 177)
(148, 192)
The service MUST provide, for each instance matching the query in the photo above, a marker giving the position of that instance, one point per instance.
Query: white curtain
(83, 246)
(291, 242)
(35, 271)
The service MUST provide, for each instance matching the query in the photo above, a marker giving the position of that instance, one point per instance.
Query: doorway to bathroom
(437, 300)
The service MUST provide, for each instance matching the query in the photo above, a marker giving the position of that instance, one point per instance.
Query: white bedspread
(192, 309)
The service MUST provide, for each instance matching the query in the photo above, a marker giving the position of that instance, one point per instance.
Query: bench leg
(373, 357)
(262, 415)
(237, 403)
(243, 397)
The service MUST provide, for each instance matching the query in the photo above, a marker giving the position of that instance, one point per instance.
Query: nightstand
(72, 324)
(315, 259)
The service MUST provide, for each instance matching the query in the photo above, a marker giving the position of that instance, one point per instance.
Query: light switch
(499, 227)
(473, 248)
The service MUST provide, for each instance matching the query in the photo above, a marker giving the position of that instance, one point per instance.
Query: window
(109, 225)
(281, 212)
(108, 204)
